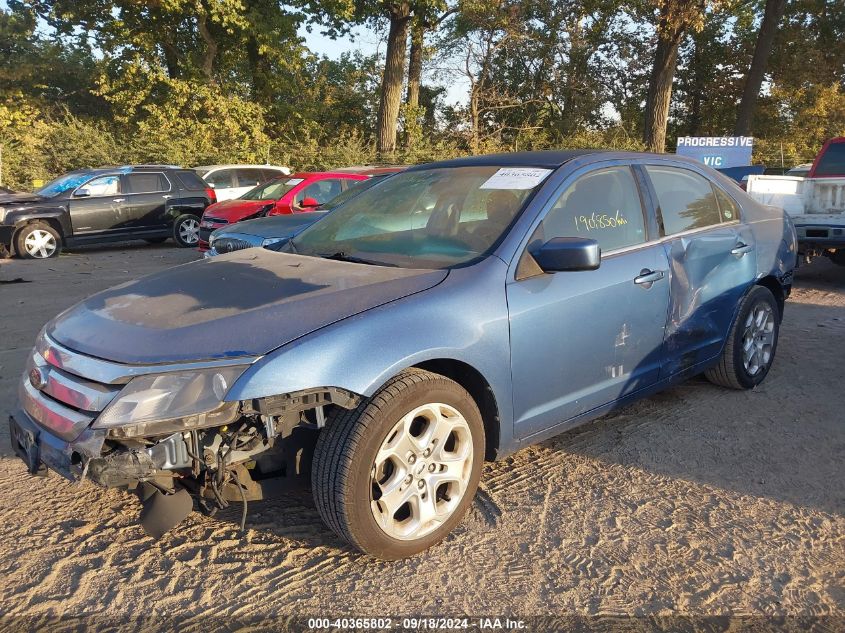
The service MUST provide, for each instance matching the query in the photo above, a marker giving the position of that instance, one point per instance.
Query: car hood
(246, 303)
(272, 225)
(16, 198)
(237, 209)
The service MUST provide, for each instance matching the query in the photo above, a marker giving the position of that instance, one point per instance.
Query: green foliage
(93, 82)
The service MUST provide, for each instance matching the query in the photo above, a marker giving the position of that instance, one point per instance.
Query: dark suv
(149, 202)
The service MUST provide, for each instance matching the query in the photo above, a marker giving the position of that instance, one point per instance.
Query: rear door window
(686, 199)
(140, 182)
(248, 177)
(221, 179)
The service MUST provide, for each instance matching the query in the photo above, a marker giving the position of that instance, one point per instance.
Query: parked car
(800, 171)
(815, 201)
(278, 228)
(87, 206)
(302, 192)
(233, 181)
(452, 313)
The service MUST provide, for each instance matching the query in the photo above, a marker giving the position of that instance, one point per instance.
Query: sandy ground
(697, 501)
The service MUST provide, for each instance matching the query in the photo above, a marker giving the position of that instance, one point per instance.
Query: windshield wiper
(343, 257)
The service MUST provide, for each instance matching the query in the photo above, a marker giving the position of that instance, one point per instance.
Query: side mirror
(82, 193)
(309, 203)
(568, 254)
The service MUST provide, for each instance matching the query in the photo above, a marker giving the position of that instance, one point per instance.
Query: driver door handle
(647, 277)
(741, 249)
(118, 199)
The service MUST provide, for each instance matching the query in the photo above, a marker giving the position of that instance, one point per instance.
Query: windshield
(433, 218)
(272, 190)
(359, 187)
(63, 183)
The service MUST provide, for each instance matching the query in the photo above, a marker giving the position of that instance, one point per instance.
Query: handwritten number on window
(598, 221)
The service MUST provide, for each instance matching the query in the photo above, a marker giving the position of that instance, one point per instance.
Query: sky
(368, 42)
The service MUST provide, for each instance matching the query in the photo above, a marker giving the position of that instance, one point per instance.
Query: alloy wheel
(758, 339)
(421, 471)
(189, 231)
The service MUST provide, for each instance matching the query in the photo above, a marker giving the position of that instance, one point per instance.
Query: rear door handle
(118, 199)
(741, 249)
(167, 196)
(647, 277)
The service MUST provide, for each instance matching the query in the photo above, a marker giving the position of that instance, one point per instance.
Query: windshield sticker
(516, 178)
(294, 181)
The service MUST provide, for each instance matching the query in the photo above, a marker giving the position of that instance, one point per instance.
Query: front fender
(58, 213)
(465, 318)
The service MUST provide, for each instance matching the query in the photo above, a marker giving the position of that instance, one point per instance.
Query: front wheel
(396, 475)
(752, 342)
(38, 240)
(186, 230)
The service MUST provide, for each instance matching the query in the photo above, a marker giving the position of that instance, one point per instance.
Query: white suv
(233, 181)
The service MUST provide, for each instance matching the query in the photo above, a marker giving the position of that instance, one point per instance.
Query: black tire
(155, 240)
(347, 447)
(183, 237)
(731, 371)
(32, 231)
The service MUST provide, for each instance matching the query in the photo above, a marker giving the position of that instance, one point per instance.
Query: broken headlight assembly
(157, 404)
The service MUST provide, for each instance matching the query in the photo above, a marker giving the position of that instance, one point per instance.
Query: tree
(754, 79)
(399, 15)
(674, 19)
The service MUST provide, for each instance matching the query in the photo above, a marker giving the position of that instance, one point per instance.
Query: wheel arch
(47, 219)
(772, 284)
(476, 384)
(22, 223)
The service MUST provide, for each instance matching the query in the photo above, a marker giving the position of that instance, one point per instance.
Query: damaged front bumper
(237, 451)
(41, 450)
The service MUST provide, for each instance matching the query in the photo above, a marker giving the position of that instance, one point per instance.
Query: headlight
(211, 239)
(164, 397)
(273, 240)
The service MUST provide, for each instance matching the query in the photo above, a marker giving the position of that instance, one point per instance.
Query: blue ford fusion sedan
(450, 314)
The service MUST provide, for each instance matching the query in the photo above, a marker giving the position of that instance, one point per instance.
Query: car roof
(551, 159)
(323, 174)
(241, 166)
(122, 169)
(371, 170)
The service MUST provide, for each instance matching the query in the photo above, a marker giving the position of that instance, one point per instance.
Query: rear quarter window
(190, 180)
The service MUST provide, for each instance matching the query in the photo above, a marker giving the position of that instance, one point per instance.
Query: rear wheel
(752, 342)
(38, 240)
(186, 230)
(396, 475)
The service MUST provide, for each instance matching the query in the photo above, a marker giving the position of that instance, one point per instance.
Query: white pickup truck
(815, 203)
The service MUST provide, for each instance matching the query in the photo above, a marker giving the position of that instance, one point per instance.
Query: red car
(297, 193)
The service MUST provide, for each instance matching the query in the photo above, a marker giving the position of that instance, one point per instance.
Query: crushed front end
(164, 432)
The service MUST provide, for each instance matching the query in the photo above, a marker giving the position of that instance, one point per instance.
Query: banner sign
(717, 151)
